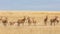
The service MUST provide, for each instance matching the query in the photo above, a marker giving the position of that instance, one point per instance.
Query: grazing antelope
(45, 20)
(21, 21)
(53, 21)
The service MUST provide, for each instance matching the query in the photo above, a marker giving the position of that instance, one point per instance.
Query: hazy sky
(29, 4)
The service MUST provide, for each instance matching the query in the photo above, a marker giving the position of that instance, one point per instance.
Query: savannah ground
(39, 28)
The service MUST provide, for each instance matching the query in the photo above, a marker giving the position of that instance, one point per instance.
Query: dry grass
(38, 29)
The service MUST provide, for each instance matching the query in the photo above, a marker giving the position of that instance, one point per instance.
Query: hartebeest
(21, 21)
(45, 20)
(53, 21)
(31, 20)
(4, 20)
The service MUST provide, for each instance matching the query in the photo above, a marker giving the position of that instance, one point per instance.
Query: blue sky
(30, 5)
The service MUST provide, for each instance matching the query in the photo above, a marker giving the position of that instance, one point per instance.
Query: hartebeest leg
(18, 24)
(51, 24)
(45, 23)
(4, 24)
(54, 23)
(29, 24)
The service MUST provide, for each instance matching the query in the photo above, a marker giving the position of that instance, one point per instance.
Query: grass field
(40, 28)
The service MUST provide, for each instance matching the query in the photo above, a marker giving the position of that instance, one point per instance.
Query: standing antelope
(31, 20)
(45, 20)
(53, 21)
(4, 21)
(21, 21)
